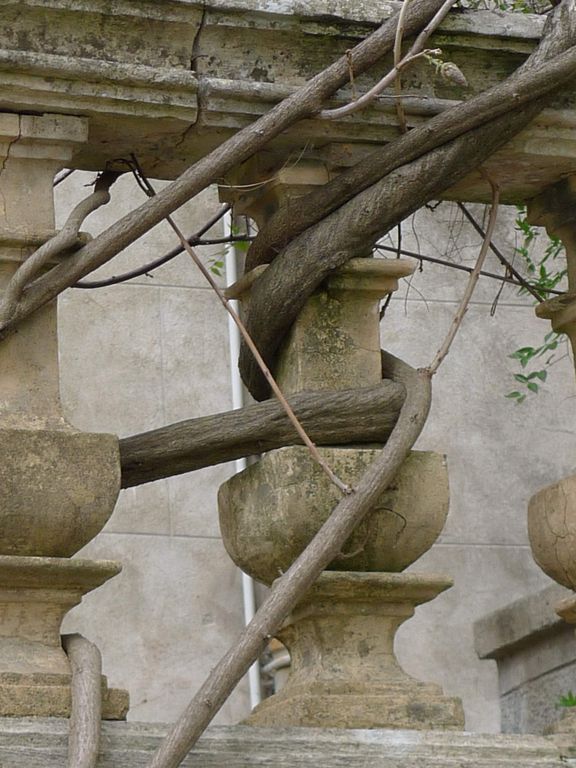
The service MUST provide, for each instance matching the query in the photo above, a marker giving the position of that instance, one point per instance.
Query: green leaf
(532, 386)
(569, 700)
(542, 375)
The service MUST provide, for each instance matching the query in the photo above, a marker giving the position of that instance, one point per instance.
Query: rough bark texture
(306, 261)
(329, 418)
(305, 102)
(290, 588)
(300, 213)
(84, 736)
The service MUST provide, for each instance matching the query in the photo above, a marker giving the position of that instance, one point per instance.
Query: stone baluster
(58, 486)
(555, 209)
(341, 635)
(552, 510)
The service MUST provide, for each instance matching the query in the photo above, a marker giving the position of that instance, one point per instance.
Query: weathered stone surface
(57, 487)
(335, 342)
(35, 595)
(501, 632)
(271, 510)
(153, 105)
(536, 656)
(57, 490)
(552, 530)
(41, 743)
(344, 673)
(32, 150)
(47, 695)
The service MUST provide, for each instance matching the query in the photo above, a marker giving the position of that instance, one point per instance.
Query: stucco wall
(134, 357)
(154, 351)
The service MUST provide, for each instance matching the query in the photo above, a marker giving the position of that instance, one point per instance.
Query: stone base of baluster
(35, 595)
(344, 672)
(48, 695)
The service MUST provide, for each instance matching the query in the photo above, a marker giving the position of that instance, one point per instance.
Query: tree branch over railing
(364, 415)
(302, 265)
(303, 103)
(528, 84)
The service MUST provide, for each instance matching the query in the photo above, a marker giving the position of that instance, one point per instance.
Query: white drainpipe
(238, 402)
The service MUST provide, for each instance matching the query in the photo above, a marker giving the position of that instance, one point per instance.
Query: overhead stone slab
(133, 68)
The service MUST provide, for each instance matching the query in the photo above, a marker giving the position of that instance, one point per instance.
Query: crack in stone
(201, 90)
(7, 156)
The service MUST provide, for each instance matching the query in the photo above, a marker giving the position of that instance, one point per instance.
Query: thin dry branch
(470, 286)
(399, 106)
(400, 62)
(293, 585)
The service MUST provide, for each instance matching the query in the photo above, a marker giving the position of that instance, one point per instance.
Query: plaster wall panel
(164, 621)
(444, 233)
(195, 354)
(142, 509)
(127, 196)
(111, 359)
(438, 644)
(499, 453)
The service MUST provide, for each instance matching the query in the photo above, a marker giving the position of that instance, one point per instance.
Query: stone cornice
(133, 67)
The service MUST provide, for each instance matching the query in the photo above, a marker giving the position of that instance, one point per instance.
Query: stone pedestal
(58, 486)
(271, 510)
(35, 595)
(335, 342)
(340, 636)
(344, 671)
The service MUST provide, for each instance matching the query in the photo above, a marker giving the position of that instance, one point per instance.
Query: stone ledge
(41, 743)
(516, 625)
(153, 105)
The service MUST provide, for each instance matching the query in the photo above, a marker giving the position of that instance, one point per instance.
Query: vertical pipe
(237, 402)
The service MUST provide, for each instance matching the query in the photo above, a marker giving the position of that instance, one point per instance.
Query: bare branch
(400, 63)
(364, 415)
(304, 102)
(471, 285)
(63, 241)
(501, 258)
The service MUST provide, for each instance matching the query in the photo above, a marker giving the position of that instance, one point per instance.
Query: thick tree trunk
(329, 418)
(301, 213)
